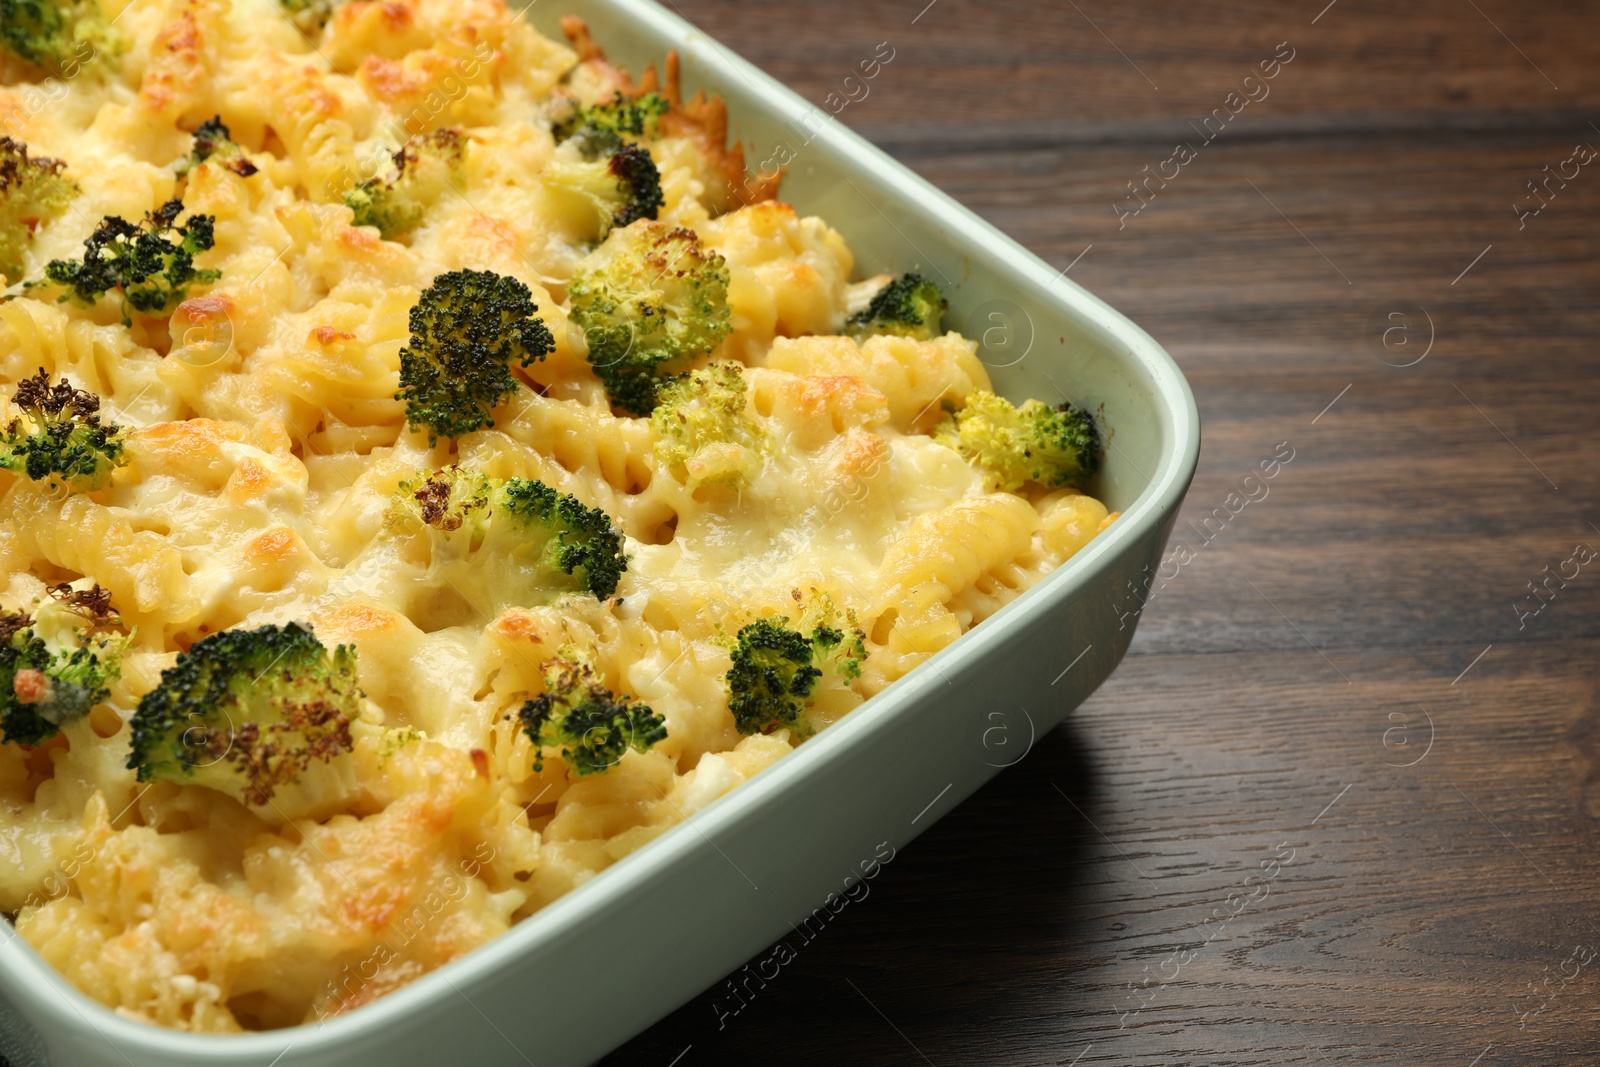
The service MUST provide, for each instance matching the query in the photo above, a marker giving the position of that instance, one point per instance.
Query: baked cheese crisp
(433, 468)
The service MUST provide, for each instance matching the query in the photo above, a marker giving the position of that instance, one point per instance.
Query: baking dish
(590, 970)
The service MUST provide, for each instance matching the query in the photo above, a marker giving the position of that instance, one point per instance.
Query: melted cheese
(265, 444)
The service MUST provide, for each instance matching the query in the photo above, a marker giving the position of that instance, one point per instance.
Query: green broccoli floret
(611, 124)
(58, 664)
(590, 725)
(310, 15)
(214, 141)
(152, 264)
(424, 168)
(56, 34)
(582, 539)
(1052, 446)
(60, 436)
(264, 716)
(466, 330)
(619, 182)
(32, 191)
(702, 430)
(778, 668)
(512, 543)
(909, 306)
(647, 297)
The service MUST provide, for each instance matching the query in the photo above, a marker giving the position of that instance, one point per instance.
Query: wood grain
(1279, 687)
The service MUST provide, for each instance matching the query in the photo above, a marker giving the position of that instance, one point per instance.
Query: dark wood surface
(1443, 912)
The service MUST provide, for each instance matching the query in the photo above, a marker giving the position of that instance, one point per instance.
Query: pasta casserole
(433, 467)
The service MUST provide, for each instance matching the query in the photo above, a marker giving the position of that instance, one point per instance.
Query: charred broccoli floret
(1051, 446)
(60, 436)
(648, 296)
(214, 141)
(702, 430)
(151, 264)
(619, 182)
(778, 668)
(613, 123)
(512, 542)
(56, 34)
(32, 192)
(601, 163)
(467, 329)
(424, 168)
(263, 715)
(57, 664)
(590, 725)
(909, 306)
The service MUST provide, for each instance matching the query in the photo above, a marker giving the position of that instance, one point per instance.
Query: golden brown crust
(703, 119)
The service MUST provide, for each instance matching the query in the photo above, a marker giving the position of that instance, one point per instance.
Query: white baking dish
(589, 971)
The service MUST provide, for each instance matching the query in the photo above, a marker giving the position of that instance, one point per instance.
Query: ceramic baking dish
(597, 966)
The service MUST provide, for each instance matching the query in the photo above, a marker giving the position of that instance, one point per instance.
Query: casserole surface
(1146, 407)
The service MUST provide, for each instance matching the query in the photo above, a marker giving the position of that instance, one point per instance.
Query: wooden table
(1349, 678)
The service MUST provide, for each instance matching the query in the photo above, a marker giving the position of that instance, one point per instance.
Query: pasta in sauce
(264, 447)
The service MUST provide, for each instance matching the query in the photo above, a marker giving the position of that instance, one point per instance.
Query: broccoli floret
(264, 716)
(1052, 446)
(310, 15)
(152, 264)
(448, 500)
(611, 124)
(619, 182)
(423, 169)
(582, 539)
(590, 725)
(32, 191)
(467, 329)
(214, 141)
(909, 306)
(601, 163)
(60, 435)
(648, 296)
(778, 668)
(702, 430)
(58, 664)
(513, 542)
(56, 34)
